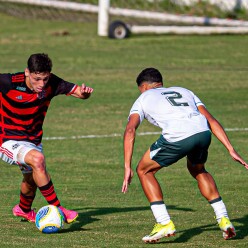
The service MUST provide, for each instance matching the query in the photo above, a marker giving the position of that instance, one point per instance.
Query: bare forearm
(216, 128)
(129, 138)
(221, 135)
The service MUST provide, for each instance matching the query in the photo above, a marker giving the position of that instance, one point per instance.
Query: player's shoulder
(149, 93)
(13, 77)
(5, 76)
(9, 80)
(18, 77)
(54, 81)
(53, 77)
(181, 90)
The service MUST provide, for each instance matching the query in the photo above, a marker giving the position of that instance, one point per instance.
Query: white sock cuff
(160, 213)
(219, 209)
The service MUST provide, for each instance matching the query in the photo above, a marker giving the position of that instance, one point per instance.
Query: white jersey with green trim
(172, 109)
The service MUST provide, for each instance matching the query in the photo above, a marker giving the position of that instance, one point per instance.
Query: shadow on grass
(87, 216)
(183, 235)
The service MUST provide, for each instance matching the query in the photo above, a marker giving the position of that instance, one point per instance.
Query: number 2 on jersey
(172, 96)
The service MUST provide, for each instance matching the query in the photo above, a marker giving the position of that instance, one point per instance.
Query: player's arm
(221, 135)
(82, 92)
(129, 139)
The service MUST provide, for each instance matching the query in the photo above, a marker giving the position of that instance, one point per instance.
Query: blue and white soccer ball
(49, 219)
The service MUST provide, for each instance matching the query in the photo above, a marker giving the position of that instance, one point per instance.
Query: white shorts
(14, 152)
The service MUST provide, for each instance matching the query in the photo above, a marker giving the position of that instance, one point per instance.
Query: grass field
(88, 172)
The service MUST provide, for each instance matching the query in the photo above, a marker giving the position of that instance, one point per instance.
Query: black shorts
(194, 147)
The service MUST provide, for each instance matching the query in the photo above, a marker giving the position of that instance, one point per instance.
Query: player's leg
(208, 189)
(36, 160)
(27, 195)
(28, 185)
(164, 227)
(28, 192)
(206, 183)
(32, 165)
(9, 154)
(146, 170)
(31, 161)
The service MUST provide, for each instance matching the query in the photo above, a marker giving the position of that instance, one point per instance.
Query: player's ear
(27, 72)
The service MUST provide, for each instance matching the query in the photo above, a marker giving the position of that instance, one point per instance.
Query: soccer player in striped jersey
(25, 98)
(186, 125)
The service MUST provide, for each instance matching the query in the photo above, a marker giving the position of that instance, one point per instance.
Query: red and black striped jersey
(22, 111)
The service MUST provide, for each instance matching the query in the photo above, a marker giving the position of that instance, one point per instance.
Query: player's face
(37, 81)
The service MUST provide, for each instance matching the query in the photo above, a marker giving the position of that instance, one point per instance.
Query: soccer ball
(49, 219)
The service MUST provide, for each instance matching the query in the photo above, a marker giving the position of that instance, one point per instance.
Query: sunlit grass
(88, 173)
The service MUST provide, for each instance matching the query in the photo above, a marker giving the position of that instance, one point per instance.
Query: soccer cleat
(69, 215)
(227, 227)
(30, 216)
(159, 231)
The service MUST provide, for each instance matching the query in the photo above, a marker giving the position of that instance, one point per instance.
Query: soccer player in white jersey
(186, 125)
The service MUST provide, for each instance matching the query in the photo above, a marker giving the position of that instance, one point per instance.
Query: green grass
(88, 173)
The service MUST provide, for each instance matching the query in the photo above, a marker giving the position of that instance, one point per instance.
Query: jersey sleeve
(61, 86)
(197, 100)
(137, 109)
(5, 82)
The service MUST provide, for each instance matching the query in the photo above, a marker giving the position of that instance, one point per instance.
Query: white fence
(121, 30)
(226, 5)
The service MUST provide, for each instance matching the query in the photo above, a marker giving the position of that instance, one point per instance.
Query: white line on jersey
(92, 136)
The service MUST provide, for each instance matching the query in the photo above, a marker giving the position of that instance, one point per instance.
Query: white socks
(160, 212)
(162, 216)
(219, 208)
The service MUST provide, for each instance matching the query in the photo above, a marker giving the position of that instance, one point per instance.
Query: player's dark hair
(39, 62)
(149, 75)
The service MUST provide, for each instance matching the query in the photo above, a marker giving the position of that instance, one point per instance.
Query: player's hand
(86, 90)
(238, 158)
(127, 179)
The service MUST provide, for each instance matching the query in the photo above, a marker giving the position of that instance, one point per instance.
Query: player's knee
(198, 172)
(195, 169)
(144, 168)
(38, 162)
(139, 170)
